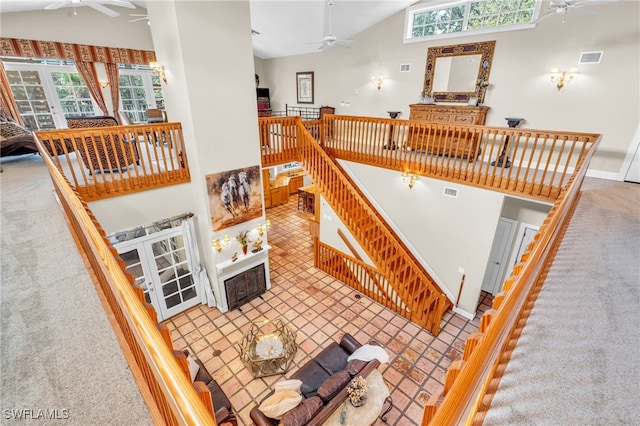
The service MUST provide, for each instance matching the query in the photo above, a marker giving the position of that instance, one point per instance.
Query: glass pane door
(177, 286)
(28, 90)
(135, 267)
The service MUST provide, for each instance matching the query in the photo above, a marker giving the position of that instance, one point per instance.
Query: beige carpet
(578, 359)
(58, 354)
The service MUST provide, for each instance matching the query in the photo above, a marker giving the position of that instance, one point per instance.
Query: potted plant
(243, 239)
(357, 391)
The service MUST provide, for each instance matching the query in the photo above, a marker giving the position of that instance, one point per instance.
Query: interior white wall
(525, 211)
(141, 208)
(603, 98)
(445, 233)
(87, 27)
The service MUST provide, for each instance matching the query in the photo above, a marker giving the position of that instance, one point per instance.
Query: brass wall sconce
(158, 70)
(103, 84)
(409, 179)
(226, 241)
(216, 245)
(377, 81)
(560, 78)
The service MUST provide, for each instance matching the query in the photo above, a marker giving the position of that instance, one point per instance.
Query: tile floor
(320, 309)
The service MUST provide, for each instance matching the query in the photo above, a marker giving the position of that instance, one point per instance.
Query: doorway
(494, 274)
(160, 265)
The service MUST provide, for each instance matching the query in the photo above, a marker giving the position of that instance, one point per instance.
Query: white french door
(160, 265)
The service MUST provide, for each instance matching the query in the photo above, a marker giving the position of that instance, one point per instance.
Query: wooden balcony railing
(163, 380)
(102, 162)
(472, 381)
(540, 162)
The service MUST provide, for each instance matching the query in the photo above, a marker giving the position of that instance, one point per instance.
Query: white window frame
(45, 71)
(147, 84)
(443, 4)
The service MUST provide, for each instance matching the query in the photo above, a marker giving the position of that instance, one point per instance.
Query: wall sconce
(410, 180)
(216, 245)
(377, 81)
(158, 70)
(226, 241)
(561, 78)
(103, 84)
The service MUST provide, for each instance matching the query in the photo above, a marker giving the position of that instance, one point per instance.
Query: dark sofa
(315, 372)
(221, 405)
(15, 139)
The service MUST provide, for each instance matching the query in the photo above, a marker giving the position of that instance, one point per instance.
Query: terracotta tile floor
(320, 309)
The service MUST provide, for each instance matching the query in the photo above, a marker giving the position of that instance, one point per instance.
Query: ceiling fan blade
(121, 3)
(56, 5)
(146, 18)
(345, 43)
(100, 8)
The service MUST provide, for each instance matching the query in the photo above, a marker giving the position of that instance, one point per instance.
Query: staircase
(400, 279)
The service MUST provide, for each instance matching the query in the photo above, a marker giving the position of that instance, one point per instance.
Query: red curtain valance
(75, 52)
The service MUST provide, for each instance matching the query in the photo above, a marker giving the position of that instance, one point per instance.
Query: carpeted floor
(578, 359)
(59, 358)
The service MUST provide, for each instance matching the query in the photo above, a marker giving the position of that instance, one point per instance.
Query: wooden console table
(435, 141)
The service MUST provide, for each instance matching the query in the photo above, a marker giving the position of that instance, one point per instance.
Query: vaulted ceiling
(282, 28)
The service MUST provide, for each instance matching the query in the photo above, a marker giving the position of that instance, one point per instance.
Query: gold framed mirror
(458, 73)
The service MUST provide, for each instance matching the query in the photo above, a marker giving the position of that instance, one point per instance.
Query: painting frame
(305, 87)
(232, 207)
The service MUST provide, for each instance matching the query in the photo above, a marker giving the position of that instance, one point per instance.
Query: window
(73, 95)
(28, 92)
(469, 17)
(139, 91)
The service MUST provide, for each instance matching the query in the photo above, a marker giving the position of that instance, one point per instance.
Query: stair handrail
(311, 155)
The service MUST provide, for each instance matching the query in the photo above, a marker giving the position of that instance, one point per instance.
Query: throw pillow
(333, 385)
(303, 413)
(278, 404)
(193, 367)
(354, 366)
(292, 384)
(369, 353)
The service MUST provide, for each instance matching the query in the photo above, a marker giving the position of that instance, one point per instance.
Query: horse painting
(235, 196)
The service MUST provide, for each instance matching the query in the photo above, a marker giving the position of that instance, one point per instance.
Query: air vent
(451, 192)
(590, 57)
(405, 67)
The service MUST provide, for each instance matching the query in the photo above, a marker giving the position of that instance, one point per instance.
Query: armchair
(103, 155)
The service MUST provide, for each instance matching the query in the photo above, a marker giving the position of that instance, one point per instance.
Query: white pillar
(206, 49)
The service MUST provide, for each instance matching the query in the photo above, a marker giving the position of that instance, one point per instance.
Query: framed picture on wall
(304, 87)
(235, 196)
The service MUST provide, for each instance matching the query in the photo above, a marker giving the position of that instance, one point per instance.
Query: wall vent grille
(590, 57)
(451, 192)
(405, 67)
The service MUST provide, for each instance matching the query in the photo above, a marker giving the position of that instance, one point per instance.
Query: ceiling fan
(98, 5)
(330, 40)
(562, 7)
(139, 17)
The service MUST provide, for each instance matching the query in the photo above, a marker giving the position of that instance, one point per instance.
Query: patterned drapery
(113, 75)
(74, 52)
(88, 73)
(7, 102)
(84, 56)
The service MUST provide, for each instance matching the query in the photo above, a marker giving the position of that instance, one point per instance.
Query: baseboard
(599, 174)
(467, 315)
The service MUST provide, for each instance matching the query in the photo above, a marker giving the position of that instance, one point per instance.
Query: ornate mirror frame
(485, 49)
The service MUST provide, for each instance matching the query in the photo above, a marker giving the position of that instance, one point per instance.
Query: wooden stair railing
(425, 302)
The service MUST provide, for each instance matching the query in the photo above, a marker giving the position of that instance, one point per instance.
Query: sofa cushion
(354, 366)
(293, 384)
(218, 398)
(330, 387)
(369, 353)
(333, 358)
(312, 376)
(194, 367)
(278, 404)
(302, 413)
